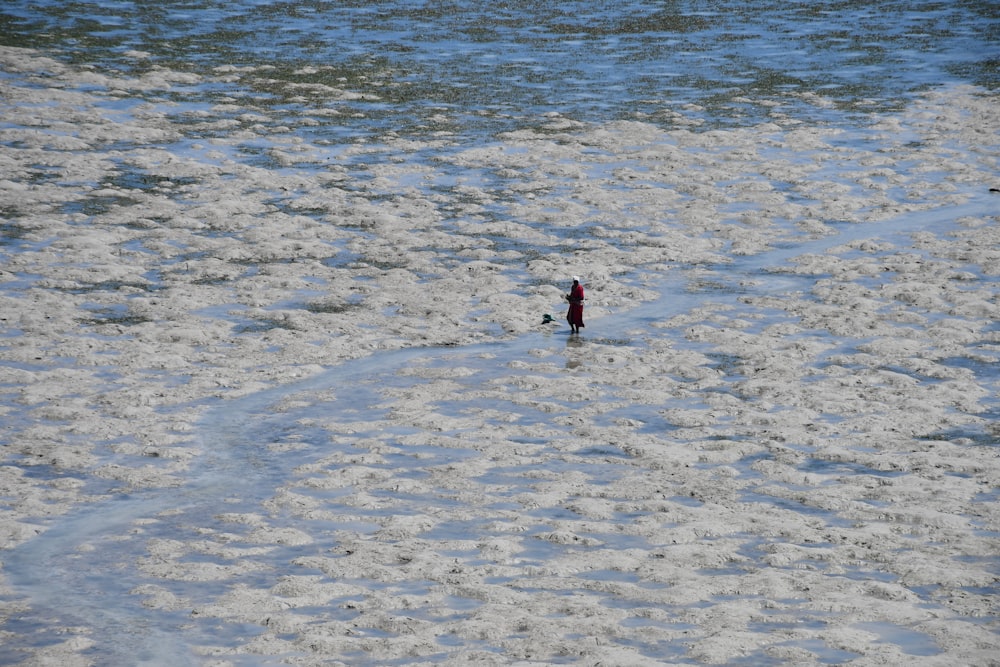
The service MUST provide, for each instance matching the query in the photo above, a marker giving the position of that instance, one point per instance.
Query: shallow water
(473, 69)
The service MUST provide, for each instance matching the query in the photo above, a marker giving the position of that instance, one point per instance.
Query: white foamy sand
(276, 414)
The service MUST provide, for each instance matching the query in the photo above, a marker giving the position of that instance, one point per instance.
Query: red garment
(575, 314)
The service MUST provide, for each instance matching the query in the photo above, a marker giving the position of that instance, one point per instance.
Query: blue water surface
(496, 64)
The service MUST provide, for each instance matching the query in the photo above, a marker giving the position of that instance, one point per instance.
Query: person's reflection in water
(574, 359)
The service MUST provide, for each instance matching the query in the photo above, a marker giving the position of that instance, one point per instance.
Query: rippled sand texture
(266, 412)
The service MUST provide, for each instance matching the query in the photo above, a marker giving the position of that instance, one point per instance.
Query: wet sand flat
(253, 417)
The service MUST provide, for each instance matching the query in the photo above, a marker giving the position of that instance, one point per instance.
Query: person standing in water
(575, 314)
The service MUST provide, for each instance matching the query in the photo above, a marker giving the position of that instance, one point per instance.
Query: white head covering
(576, 279)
